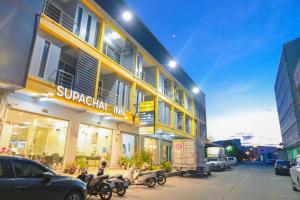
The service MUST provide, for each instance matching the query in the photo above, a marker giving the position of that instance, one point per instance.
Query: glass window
(44, 59)
(35, 137)
(79, 18)
(128, 145)
(164, 112)
(96, 41)
(25, 169)
(88, 28)
(93, 144)
(150, 146)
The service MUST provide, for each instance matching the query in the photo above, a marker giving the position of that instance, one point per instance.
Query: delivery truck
(189, 157)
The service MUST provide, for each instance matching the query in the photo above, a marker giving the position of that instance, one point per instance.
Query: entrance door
(167, 151)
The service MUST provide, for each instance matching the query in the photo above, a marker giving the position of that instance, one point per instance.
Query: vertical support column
(156, 111)
(193, 127)
(172, 90)
(3, 108)
(193, 106)
(115, 148)
(141, 143)
(132, 97)
(160, 150)
(172, 116)
(97, 80)
(183, 122)
(101, 36)
(157, 77)
(70, 149)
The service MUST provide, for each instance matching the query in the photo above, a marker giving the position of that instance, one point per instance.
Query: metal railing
(108, 96)
(112, 52)
(52, 11)
(64, 79)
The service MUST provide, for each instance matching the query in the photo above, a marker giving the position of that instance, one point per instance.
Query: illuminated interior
(150, 145)
(94, 144)
(34, 136)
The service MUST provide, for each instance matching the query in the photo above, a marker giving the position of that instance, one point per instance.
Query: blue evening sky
(231, 49)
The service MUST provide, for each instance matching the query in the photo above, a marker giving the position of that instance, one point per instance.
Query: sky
(231, 49)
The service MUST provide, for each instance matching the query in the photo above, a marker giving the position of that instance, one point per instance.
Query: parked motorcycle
(120, 184)
(98, 187)
(161, 177)
(141, 178)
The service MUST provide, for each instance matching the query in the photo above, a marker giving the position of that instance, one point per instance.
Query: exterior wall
(53, 56)
(16, 38)
(287, 96)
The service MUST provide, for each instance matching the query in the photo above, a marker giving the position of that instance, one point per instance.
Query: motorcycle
(161, 177)
(120, 184)
(142, 178)
(98, 187)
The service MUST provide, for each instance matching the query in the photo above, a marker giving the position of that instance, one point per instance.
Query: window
(44, 59)
(79, 18)
(164, 113)
(25, 169)
(1, 169)
(123, 93)
(96, 41)
(88, 28)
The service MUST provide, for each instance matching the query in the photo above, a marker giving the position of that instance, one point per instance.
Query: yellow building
(99, 86)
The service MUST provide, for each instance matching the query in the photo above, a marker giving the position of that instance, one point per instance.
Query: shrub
(166, 165)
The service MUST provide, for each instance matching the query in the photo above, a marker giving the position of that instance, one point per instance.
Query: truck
(189, 158)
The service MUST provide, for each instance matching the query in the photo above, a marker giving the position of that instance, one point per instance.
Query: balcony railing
(112, 52)
(146, 78)
(62, 78)
(52, 11)
(108, 96)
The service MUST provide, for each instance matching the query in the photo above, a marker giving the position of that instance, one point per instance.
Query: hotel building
(87, 79)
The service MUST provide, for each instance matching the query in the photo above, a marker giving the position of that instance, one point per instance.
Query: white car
(216, 163)
(295, 173)
(232, 160)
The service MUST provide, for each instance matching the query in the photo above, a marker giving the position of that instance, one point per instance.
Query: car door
(29, 183)
(6, 181)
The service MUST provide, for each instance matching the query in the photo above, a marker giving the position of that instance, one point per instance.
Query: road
(251, 181)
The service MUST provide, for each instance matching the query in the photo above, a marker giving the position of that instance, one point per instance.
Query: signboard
(86, 100)
(147, 118)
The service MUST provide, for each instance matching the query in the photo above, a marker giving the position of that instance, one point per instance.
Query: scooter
(142, 178)
(120, 184)
(97, 186)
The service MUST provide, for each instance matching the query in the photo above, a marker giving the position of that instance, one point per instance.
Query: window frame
(46, 59)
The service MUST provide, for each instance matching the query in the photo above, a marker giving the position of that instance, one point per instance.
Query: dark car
(22, 179)
(282, 167)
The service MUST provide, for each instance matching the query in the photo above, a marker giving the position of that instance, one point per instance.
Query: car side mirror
(47, 176)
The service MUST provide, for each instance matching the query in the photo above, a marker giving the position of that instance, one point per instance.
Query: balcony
(54, 10)
(108, 97)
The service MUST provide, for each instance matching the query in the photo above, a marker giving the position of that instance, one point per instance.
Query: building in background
(95, 84)
(265, 154)
(287, 93)
(226, 143)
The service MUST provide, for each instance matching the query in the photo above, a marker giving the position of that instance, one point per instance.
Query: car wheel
(295, 189)
(75, 195)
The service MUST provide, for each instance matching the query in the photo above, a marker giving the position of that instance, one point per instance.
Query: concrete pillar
(116, 148)
(3, 108)
(71, 144)
(160, 150)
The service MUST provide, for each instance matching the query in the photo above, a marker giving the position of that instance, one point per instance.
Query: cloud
(253, 127)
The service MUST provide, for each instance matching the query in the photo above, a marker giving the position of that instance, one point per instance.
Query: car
(232, 160)
(295, 173)
(216, 163)
(22, 178)
(282, 167)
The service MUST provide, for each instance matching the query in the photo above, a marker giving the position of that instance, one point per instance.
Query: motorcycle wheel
(151, 182)
(121, 191)
(161, 179)
(105, 192)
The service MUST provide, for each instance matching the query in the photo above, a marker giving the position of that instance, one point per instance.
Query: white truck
(189, 158)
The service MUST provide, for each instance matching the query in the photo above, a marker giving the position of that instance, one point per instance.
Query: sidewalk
(109, 171)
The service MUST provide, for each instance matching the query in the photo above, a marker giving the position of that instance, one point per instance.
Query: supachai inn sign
(86, 100)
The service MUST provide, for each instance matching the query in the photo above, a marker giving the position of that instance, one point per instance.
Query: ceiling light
(196, 90)
(44, 99)
(172, 64)
(127, 16)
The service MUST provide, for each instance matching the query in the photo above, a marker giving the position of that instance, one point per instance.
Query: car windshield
(212, 159)
(230, 158)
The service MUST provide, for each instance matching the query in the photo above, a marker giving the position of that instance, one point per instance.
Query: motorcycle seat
(145, 173)
(102, 177)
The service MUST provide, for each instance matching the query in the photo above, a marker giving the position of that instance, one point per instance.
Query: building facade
(288, 99)
(97, 86)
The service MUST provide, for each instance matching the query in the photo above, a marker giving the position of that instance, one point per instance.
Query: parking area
(251, 181)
